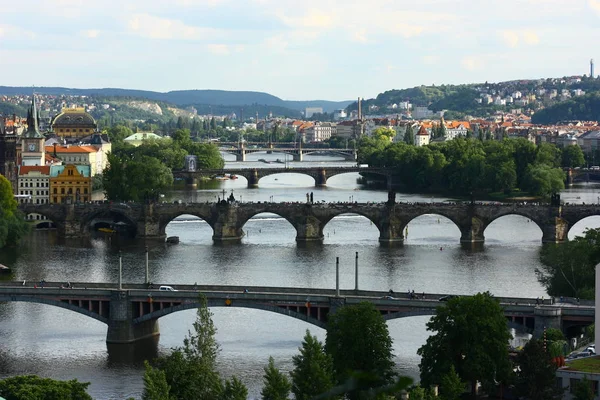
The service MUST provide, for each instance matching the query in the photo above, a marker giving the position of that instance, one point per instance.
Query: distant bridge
(253, 175)
(582, 175)
(241, 149)
(132, 312)
(227, 220)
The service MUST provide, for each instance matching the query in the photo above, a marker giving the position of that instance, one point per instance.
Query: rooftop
(588, 364)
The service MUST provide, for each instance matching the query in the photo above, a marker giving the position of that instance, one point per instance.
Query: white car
(167, 289)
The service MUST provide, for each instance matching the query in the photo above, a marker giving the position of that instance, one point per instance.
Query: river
(56, 343)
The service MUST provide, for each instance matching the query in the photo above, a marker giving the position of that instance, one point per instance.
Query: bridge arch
(263, 174)
(267, 217)
(330, 225)
(167, 219)
(433, 220)
(235, 303)
(55, 303)
(108, 218)
(580, 225)
(527, 229)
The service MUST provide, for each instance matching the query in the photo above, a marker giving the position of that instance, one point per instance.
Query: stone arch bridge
(132, 312)
(296, 153)
(253, 175)
(227, 220)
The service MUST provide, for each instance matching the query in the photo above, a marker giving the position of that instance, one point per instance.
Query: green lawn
(589, 364)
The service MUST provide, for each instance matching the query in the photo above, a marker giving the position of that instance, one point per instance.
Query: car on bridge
(165, 288)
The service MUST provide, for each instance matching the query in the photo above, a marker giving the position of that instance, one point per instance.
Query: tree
(313, 370)
(536, 375)
(12, 222)
(155, 384)
(583, 390)
(384, 133)
(471, 335)
(118, 133)
(409, 135)
(31, 387)
(543, 180)
(360, 345)
(139, 179)
(451, 386)
(572, 157)
(569, 268)
(277, 386)
(190, 370)
(234, 389)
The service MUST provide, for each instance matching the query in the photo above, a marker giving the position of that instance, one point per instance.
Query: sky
(296, 50)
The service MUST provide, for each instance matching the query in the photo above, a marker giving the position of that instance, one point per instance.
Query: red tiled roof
(25, 169)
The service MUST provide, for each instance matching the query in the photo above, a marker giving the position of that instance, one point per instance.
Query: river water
(56, 343)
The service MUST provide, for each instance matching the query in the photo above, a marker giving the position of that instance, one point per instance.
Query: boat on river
(265, 161)
(278, 161)
(106, 230)
(173, 239)
(4, 269)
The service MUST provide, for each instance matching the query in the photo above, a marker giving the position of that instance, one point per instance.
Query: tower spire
(33, 130)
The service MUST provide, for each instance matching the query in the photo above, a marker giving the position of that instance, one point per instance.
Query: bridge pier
(555, 231)
(226, 229)
(308, 229)
(298, 156)
(240, 155)
(121, 329)
(391, 232)
(252, 179)
(546, 317)
(472, 232)
(191, 183)
(149, 227)
(321, 178)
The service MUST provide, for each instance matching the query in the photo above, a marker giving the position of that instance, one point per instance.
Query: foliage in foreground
(470, 336)
(536, 375)
(569, 268)
(31, 387)
(12, 222)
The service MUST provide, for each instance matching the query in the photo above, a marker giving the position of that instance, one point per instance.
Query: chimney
(55, 150)
(359, 109)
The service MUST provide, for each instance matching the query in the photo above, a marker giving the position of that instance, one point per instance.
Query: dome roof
(74, 117)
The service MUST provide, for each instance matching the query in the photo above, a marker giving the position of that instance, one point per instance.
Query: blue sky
(297, 50)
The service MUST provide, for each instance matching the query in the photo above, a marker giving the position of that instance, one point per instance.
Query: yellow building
(73, 123)
(70, 183)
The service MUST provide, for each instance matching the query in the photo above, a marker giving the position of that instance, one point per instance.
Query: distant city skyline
(296, 50)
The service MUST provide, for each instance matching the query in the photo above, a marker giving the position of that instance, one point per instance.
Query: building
(309, 111)
(350, 129)
(138, 138)
(589, 141)
(34, 181)
(319, 132)
(70, 183)
(340, 114)
(80, 155)
(421, 112)
(9, 142)
(73, 123)
(32, 141)
(422, 137)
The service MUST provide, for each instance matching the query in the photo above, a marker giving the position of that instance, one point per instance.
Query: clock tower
(32, 143)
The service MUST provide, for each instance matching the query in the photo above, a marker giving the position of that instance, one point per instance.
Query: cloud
(595, 5)
(471, 63)
(218, 49)
(92, 33)
(360, 36)
(15, 32)
(314, 18)
(276, 43)
(431, 59)
(152, 27)
(515, 37)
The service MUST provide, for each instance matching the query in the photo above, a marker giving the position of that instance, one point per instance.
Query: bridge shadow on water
(134, 353)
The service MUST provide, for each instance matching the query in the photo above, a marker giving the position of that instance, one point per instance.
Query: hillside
(584, 108)
(236, 99)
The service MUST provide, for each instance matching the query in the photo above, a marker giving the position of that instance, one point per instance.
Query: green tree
(543, 180)
(360, 345)
(384, 133)
(572, 157)
(409, 135)
(118, 133)
(583, 390)
(277, 385)
(451, 386)
(568, 269)
(536, 375)
(470, 334)
(31, 387)
(190, 370)
(234, 389)
(313, 370)
(140, 179)
(12, 222)
(155, 384)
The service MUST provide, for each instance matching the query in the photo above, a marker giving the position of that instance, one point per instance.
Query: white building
(340, 114)
(422, 137)
(421, 112)
(34, 181)
(320, 131)
(309, 111)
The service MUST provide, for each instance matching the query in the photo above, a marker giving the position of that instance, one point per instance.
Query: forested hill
(584, 108)
(186, 97)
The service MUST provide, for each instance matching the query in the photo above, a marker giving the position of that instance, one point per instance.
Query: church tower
(32, 147)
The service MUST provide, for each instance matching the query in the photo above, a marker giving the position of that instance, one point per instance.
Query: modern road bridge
(132, 312)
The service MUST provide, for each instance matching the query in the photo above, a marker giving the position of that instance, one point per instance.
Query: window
(573, 384)
(62, 191)
(55, 199)
(85, 191)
